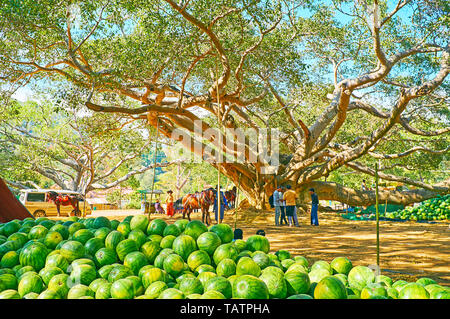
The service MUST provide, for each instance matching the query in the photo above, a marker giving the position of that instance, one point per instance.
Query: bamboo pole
(236, 201)
(154, 167)
(377, 215)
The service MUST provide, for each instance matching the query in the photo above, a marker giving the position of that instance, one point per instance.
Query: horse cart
(49, 202)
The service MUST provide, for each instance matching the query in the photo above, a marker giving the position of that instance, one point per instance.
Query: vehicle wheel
(39, 213)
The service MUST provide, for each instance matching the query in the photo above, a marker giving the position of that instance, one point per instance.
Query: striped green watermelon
(101, 221)
(57, 260)
(373, 289)
(96, 283)
(240, 244)
(72, 250)
(152, 275)
(138, 287)
(139, 222)
(246, 266)
(424, 281)
(155, 289)
(413, 291)
(173, 264)
(191, 286)
(224, 231)
(125, 247)
(101, 233)
(226, 268)
(286, 263)
(258, 242)
(79, 291)
(135, 261)
(124, 228)
(321, 264)
(220, 284)
(82, 274)
(8, 281)
(37, 232)
(19, 238)
(205, 276)
(103, 291)
(105, 256)
(93, 245)
(52, 239)
(9, 260)
(330, 288)
(167, 241)
(114, 224)
(138, 236)
(212, 294)
(75, 227)
(384, 279)
(10, 228)
(225, 251)
(197, 258)
(208, 241)
(47, 223)
(249, 287)
(82, 235)
(342, 278)
(261, 259)
(203, 268)
(34, 255)
(150, 250)
(184, 245)
(122, 289)
(300, 296)
(113, 238)
(156, 227)
(195, 228)
(283, 254)
(104, 271)
(21, 271)
(48, 272)
(171, 293)
(297, 283)
(273, 277)
(171, 230)
(30, 282)
(49, 294)
(10, 294)
(318, 274)
(360, 276)
(181, 224)
(59, 284)
(341, 265)
(30, 295)
(119, 272)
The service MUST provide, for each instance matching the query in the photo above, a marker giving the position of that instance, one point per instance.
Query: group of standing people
(284, 201)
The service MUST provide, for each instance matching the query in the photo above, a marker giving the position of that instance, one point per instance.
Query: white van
(36, 201)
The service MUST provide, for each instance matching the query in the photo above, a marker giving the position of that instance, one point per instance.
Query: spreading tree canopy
(346, 83)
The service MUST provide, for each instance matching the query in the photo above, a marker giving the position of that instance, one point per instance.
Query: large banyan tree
(347, 83)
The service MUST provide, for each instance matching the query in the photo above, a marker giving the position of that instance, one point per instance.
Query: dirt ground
(408, 250)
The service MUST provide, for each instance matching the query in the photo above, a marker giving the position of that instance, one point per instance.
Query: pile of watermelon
(432, 209)
(98, 258)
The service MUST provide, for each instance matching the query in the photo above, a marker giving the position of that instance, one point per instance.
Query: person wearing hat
(314, 207)
(169, 203)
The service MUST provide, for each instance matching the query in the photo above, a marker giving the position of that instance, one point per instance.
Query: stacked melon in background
(98, 258)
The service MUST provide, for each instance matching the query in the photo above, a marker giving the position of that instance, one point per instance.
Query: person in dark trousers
(314, 207)
(283, 207)
(223, 204)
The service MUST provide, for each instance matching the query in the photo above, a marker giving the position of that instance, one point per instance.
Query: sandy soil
(408, 250)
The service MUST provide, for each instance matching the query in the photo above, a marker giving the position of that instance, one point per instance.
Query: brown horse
(230, 196)
(64, 200)
(201, 201)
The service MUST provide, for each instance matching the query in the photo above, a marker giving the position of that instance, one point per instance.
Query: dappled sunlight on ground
(408, 250)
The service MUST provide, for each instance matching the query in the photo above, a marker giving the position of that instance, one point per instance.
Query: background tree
(309, 68)
(53, 144)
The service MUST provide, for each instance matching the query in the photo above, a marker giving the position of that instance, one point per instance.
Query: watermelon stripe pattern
(98, 258)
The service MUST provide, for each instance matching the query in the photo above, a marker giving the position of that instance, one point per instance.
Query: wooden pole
(236, 201)
(154, 167)
(377, 215)
(218, 149)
